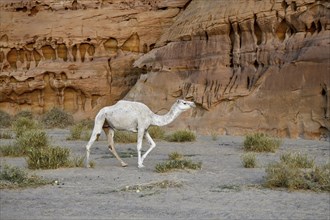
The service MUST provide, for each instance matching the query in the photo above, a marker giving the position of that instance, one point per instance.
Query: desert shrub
(24, 114)
(177, 161)
(5, 119)
(52, 158)
(181, 136)
(297, 160)
(125, 137)
(156, 132)
(214, 135)
(11, 151)
(48, 158)
(78, 161)
(175, 156)
(288, 174)
(76, 131)
(57, 118)
(88, 123)
(28, 139)
(165, 184)
(5, 134)
(81, 130)
(14, 177)
(20, 125)
(32, 139)
(177, 164)
(260, 142)
(249, 160)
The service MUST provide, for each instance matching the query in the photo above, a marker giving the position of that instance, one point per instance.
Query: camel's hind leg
(96, 132)
(110, 133)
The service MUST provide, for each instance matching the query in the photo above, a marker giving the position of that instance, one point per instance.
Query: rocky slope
(249, 65)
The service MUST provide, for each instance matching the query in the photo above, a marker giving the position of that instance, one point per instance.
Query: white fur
(134, 117)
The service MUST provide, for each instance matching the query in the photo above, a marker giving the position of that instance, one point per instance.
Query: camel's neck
(161, 120)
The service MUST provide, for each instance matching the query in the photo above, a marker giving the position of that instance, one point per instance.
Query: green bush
(11, 151)
(76, 131)
(27, 140)
(260, 142)
(297, 160)
(175, 156)
(249, 160)
(21, 125)
(24, 114)
(5, 119)
(57, 118)
(125, 137)
(79, 131)
(156, 132)
(31, 139)
(181, 136)
(14, 177)
(177, 161)
(5, 134)
(288, 174)
(48, 158)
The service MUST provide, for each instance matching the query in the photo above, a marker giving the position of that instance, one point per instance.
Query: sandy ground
(222, 189)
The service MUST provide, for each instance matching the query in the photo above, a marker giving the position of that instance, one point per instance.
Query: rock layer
(249, 65)
(76, 55)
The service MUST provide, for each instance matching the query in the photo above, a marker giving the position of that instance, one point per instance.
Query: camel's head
(184, 105)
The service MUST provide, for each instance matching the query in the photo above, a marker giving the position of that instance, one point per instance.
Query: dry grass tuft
(249, 160)
(181, 136)
(260, 142)
(297, 172)
(177, 161)
(14, 177)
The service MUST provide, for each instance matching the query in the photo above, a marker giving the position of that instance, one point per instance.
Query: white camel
(134, 117)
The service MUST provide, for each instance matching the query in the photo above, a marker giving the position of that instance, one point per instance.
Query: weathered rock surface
(76, 55)
(249, 65)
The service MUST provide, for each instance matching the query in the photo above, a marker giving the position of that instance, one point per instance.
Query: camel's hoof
(124, 165)
(140, 166)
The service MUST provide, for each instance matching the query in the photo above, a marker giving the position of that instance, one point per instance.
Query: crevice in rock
(48, 52)
(257, 31)
(282, 30)
(132, 43)
(12, 58)
(37, 56)
(62, 52)
(74, 52)
(232, 40)
(111, 44)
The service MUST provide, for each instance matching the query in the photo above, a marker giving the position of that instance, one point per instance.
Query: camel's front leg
(110, 133)
(151, 144)
(139, 147)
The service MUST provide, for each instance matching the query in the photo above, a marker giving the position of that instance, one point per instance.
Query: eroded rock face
(76, 55)
(250, 66)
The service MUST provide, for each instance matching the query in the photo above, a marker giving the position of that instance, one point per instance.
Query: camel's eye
(185, 103)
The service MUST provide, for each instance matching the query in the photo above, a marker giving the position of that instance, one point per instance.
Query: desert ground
(222, 189)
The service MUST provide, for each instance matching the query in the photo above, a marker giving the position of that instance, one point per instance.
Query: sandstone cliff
(250, 65)
(76, 55)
